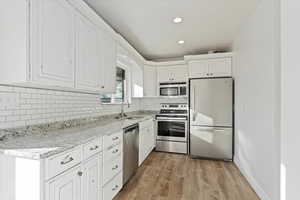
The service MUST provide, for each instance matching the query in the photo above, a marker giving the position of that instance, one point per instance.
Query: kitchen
(103, 100)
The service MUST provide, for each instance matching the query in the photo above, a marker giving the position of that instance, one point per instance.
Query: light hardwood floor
(166, 176)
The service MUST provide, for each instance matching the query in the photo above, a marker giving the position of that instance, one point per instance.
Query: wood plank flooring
(166, 176)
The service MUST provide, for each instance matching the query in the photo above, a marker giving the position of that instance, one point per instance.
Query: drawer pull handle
(67, 160)
(115, 151)
(115, 138)
(94, 148)
(79, 173)
(115, 167)
(116, 187)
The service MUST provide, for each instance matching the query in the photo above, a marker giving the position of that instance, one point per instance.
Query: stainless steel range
(172, 127)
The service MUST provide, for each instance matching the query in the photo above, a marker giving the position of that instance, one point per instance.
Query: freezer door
(211, 102)
(210, 142)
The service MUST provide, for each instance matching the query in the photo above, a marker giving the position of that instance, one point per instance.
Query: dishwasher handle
(131, 128)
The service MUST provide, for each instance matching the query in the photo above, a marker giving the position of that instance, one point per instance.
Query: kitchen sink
(129, 117)
(134, 117)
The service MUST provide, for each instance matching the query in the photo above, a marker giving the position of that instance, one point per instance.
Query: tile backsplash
(26, 106)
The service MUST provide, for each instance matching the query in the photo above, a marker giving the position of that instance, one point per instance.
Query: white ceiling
(148, 26)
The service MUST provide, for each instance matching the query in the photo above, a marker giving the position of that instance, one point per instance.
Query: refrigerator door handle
(194, 100)
(194, 97)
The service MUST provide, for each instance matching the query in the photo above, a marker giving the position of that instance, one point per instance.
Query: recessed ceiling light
(180, 42)
(177, 20)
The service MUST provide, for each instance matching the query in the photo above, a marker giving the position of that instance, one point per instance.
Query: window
(119, 96)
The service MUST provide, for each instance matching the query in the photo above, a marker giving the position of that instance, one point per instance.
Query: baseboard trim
(252, 181)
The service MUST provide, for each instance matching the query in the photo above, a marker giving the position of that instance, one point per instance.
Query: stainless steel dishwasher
(130, 152)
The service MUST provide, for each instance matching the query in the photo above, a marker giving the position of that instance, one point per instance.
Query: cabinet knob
(102, 86)
(116, 151)
(116, 187)
(79, 173)
(115, 167)
(94, 148)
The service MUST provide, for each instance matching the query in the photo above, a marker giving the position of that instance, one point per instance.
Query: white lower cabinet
(65, 187)
(146, 139)
(80, 183)
(92, 179)
(112, 165)
(111, 169)
(111, 189)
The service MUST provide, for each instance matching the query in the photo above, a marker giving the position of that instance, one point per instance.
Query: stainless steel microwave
(173, 89)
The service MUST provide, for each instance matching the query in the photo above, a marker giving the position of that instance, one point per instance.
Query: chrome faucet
(122, 113)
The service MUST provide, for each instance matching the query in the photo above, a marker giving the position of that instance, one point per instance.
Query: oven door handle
(171, 119)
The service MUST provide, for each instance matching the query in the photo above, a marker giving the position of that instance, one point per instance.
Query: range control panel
(173, 106)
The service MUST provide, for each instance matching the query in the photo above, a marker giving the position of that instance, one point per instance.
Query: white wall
(290, 138)
(256, 67)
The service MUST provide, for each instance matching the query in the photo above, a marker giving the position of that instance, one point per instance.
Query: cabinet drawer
(92, 148)
(113, 139)
(146, 124)
(112, 152)
(61, 162)
(110, 169)
(112, 188)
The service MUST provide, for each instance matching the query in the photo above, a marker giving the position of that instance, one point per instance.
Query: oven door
(172, 130)
(169, 91)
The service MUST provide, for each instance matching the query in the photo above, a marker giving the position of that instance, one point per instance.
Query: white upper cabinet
(88, 54)
(198, 68)
(137, 84)
(150, 81)
(53, 43)
(220, 67)
(177, 73)
(56, 44)
(109, 62)
(210, 65)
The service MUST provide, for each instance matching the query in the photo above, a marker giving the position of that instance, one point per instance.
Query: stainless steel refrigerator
(211, 118)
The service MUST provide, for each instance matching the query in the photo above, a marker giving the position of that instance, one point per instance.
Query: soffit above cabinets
(149, 27)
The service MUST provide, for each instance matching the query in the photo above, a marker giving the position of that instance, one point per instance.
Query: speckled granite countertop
(42, 141)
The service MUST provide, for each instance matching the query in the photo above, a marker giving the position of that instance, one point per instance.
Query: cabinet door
(152, 137)
(108, 67)
(91, 184)
(178, 73)
(198, 69)
(137, 80)
(164, 74)
(53, 45)
(220, 67)
(150, 140)
(142, 145)
(88, 54)
(150, 81)
(65, 187)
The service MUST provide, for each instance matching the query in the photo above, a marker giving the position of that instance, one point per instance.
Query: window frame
(127, 86)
